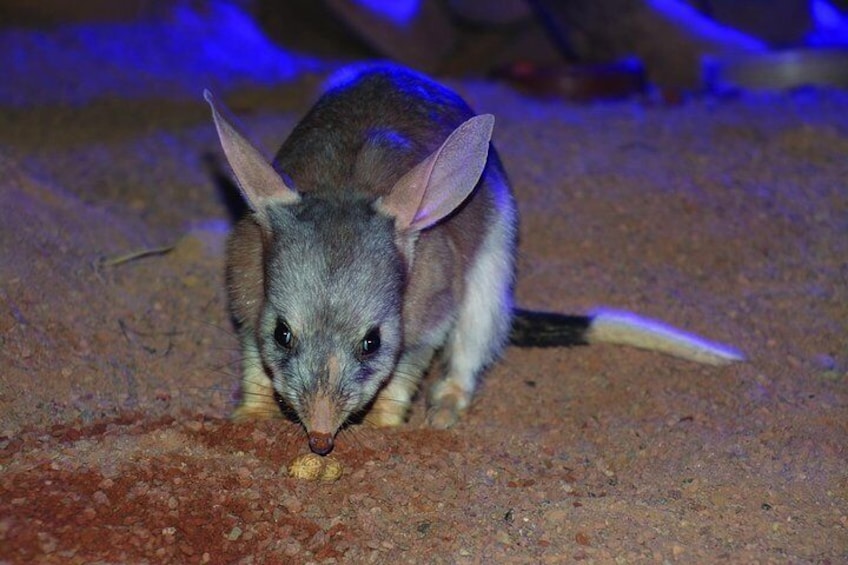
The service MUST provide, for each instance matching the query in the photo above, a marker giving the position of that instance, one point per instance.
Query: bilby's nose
(320, 443)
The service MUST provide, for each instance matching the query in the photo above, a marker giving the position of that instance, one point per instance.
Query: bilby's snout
(320, 443)
(321, 424)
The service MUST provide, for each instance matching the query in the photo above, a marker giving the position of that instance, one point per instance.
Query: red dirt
(726, 217)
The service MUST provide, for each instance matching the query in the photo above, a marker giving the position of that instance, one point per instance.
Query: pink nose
(320, 443)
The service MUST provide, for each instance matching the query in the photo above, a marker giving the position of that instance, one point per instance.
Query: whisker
(226, 331)
(295, 439)
(223, 368)
(354, 433)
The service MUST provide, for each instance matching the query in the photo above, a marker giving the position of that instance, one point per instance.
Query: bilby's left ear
(440, 183)
(260, 184)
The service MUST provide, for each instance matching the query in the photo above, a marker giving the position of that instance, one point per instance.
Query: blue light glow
(825, 14)
(831, 25)
(704, 28)
(219, 47)
(399, 12)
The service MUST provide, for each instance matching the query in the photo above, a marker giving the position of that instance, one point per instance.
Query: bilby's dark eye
(370, 343)
(283, 335)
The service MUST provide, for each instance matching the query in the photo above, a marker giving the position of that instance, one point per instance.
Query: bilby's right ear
(260, 184)
(439, 184)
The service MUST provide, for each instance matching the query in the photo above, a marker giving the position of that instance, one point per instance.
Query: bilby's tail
(545, 329)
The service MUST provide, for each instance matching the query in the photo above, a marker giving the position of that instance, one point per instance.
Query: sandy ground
(725, 216)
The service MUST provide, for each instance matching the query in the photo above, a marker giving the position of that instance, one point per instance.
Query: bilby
(383, 235)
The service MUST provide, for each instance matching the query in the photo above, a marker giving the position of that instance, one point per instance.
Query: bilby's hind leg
(481, 328)
(257, 393)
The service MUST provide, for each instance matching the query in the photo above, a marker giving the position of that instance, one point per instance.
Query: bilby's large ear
(441, 182)
(260, 184)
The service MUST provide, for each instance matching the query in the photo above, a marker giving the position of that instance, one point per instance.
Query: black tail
(547, 329)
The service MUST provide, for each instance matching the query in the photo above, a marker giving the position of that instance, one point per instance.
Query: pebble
(244, 476)
(556, 516)
(234, 534)
(194, 426)
(292, 504)
(186, 548)
(292, 548)
(100, 497)
(47, 542)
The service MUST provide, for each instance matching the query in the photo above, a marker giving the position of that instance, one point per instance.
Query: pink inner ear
(257, 179)
(438, 185)
(405, 199)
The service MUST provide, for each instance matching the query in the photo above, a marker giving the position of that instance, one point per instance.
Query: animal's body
(383, 236)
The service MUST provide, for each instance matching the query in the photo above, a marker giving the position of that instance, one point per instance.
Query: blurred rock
(777, 22)
(493, 12)
(668, 36)
(422, 38)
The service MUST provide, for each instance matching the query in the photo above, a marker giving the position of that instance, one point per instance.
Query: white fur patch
(625, 328)
(486, 309)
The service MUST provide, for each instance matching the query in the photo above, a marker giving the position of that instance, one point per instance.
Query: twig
(133, 255)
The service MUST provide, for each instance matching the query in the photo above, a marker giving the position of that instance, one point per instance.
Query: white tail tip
(625, 328)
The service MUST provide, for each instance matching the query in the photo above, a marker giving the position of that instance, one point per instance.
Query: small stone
(234, 534)
(186, 548)
(292, 504)
(292, 548)
(100, 498)
(47, 542)
(195, 426)
(244, 477)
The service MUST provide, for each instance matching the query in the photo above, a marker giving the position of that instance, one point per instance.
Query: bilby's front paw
(257, 399)
(386, 415)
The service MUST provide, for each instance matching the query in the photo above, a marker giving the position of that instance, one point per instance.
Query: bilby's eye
(283, 335)
(370, 343)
